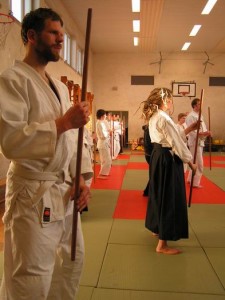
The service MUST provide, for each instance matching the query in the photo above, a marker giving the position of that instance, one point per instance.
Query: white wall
(115, 70)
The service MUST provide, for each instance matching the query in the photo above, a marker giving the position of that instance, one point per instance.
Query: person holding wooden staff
(38, 136)
(203, 133)
(166, 213)
(103, 144)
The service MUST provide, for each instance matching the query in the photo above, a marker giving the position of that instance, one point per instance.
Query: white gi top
(102, 134)
(40, 163)
(193, 117)
(164, 131)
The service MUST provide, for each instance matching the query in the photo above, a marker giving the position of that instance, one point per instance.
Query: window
(73, 54)
(20, 8)
(67, 48)
(79, 66)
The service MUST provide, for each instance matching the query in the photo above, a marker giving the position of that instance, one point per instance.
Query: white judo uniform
(38, 209)
(116, 136)
(193, 117)
(103, 145)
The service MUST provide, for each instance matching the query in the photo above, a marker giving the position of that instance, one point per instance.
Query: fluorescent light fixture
(186, 46)
(136, 25)
(195, 30)
(208, 7)
(136, 41)
(136, 7)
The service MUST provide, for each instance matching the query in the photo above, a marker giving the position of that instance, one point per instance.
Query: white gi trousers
(199, 162)
(106, 160)
(41, 258)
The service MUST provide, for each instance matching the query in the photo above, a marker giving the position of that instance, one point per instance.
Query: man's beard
(45, 52)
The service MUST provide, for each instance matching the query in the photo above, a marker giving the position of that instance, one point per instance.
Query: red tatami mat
(113, 181)
(216, 161)
(138, 165)
(131, 205)
(209, 194)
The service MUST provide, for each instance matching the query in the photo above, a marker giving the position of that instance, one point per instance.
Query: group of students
(38, 134)
(166, 215)
(109, 131)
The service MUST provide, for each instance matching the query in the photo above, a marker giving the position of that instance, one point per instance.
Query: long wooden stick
(196, 146)
(80, 139)
(210, 141)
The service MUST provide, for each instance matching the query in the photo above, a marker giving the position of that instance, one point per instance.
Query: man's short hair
(194, 102)
(35, 20)
(100, 113)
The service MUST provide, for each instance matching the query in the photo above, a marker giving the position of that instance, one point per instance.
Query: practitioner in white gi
(167, 208)
(203, 133)
(37, 135)
(116, 136)
(103, 144)
(184, 130)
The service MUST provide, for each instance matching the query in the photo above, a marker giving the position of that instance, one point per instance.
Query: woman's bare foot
(162, 247)
(169, 251)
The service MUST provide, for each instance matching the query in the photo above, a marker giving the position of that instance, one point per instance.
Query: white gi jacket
(164, 131)
(40, 163)
(191, 118)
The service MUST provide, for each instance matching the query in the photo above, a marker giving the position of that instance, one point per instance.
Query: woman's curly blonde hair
(155, 100)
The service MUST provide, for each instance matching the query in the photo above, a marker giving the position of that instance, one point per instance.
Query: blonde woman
(166, 214)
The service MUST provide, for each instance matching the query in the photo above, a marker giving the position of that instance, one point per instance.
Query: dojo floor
(121, 262)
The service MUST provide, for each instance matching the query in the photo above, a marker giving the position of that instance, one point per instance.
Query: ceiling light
(186, 46)
(136, 6)
(208, 7)
(136, 25)
(136, 41)
(195, 30)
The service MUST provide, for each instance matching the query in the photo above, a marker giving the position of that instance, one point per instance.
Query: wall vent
(216, 81)
(142, 80)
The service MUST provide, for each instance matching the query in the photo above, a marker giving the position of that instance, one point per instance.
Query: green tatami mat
(135, 180)
(133, 232)
(208, 223)
(216, 175)
(84, 293)
(217, 259)
(120, 162)
(140, 268)
(138, 158)
(97, 224)
(109, 294)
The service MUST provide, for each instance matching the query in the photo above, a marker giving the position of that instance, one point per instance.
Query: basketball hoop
(5, 26)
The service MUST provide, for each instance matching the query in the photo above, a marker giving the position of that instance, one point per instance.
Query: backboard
(182, 89)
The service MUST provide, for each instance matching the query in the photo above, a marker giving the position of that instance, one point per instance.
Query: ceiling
(165, 25)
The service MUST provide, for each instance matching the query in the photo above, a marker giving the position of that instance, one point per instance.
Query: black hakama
(167, 207)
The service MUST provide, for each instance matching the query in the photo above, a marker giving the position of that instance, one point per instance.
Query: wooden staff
(196, 146)
(210, 141)
(80, 139)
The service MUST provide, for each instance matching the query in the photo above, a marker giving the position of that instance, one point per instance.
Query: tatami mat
(139, 268)
(111, 294)
(135, 180)
(208, 223)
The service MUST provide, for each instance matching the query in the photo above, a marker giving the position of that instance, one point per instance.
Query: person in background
(103, 144)
(37, 134)
(166, 213)
(184, 130)
(203, 133)
(148, 150)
